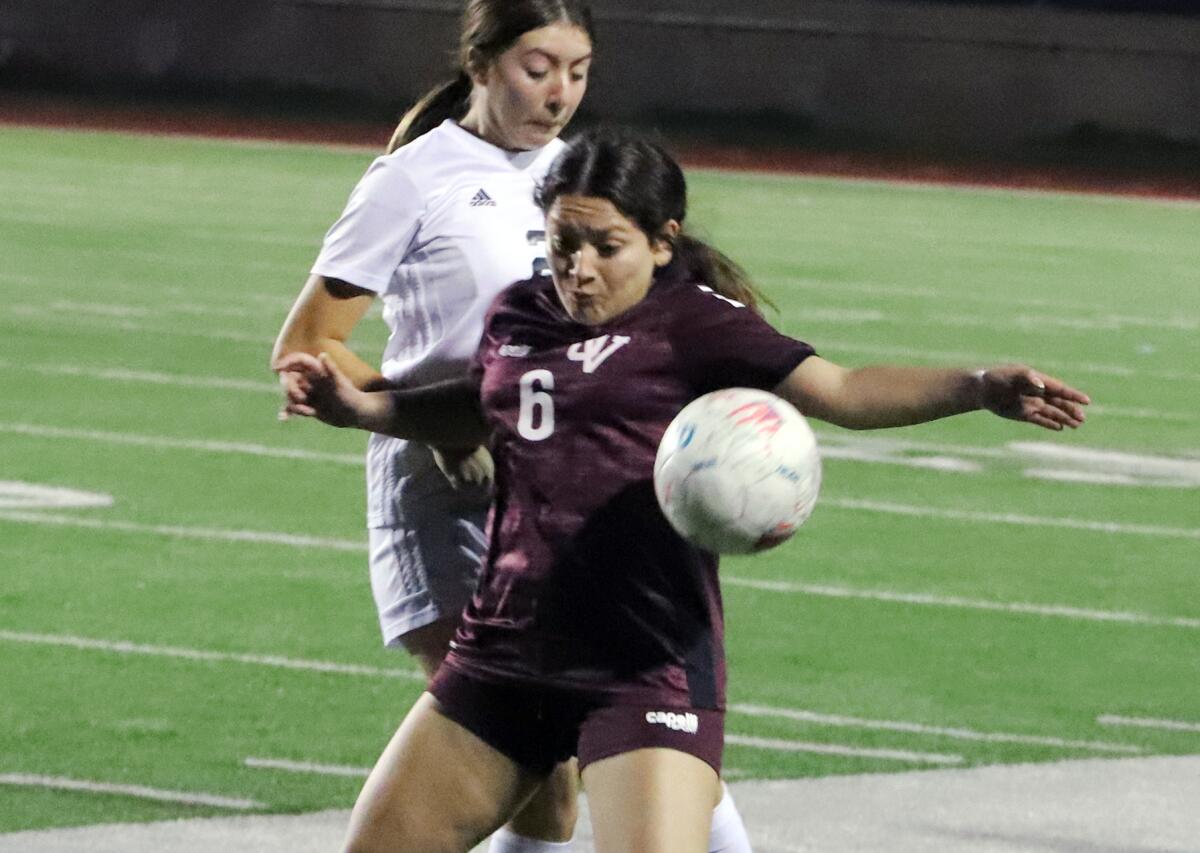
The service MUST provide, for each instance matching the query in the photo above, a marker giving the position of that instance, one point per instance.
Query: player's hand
(316, 388)
(465, 467)
(1023, 394)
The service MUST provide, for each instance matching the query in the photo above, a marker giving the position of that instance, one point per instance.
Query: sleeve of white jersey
(374, 232)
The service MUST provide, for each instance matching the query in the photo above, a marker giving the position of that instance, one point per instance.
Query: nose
(582, 269)
(557, 92)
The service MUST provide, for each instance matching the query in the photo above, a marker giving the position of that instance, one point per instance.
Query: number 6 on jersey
(536, 419)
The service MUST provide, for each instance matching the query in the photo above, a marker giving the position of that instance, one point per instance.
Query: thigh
(437, 788)
(652, 800)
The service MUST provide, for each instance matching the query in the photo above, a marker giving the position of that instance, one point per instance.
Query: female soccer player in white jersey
(436, 228)
(596, 631)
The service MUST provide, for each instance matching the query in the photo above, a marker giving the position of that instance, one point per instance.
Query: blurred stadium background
(185, 624)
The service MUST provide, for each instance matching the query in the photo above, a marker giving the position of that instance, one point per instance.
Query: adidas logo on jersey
(678, 722)
(482, 199)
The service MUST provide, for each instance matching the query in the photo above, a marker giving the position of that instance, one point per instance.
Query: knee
(403, 837)
(556, 822)
(563, 807)
(551, 813)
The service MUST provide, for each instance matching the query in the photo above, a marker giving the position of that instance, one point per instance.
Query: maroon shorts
(539, 727)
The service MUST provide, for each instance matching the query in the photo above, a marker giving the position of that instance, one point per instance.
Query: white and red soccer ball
(737, 471)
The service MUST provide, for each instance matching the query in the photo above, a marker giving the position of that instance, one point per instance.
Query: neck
(476, 123)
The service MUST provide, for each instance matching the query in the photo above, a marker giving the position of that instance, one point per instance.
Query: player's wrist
(374, 411)
(975, 390)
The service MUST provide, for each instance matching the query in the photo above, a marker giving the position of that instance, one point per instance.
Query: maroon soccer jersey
(585, 584)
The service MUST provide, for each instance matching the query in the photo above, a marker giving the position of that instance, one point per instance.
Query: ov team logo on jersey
(482, 199)
(593, 353)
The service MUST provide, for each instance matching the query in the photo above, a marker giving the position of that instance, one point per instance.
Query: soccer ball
(737, 471)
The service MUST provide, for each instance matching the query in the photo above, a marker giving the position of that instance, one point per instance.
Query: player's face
(529, 93)
(602, 262)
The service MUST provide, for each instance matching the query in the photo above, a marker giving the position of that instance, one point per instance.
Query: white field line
(1100, 478)
(1165, 467)
(842, 721)
(1020, 322)
(298, 541)
(139, 791)
(123, 647)
(90, 310)
(773, 744)
(969, 188)
(15, 494)
(1024, 303)
(127, 325)
(210, 259)
(1148, 723)
(203, 533)
(1111, 527)
(921, 599)
(1054, 460)
(281, 662)
(123, 316)
(779, 745)
(226, 383)
(306, 767)
(221, 447)
(1068, 368)
(1141, 413)
(146, 376)
(1101, 466)
(109, 309)
(1027, 322)
(924, 600)
(242, 304)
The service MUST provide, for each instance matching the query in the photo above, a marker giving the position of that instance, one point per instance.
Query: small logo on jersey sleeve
(482, 199)
(515, 350)
(595, 352)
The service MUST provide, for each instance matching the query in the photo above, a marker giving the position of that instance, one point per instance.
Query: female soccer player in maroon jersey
(596, 630)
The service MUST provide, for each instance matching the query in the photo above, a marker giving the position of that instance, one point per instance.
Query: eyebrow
(595, 236)
(555, 58)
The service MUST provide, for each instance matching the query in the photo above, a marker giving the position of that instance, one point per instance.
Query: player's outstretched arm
(447, 412)
(890, 396)
(321, 320)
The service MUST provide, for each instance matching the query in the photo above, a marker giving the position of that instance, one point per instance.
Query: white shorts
(427, 538)
(425, 568)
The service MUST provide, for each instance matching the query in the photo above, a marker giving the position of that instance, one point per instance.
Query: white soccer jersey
(437, 228)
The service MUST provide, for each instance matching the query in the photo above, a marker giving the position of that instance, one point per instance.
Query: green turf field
(967, 592)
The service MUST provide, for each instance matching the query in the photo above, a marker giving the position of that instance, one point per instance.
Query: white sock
(728, 834)
(504, 840)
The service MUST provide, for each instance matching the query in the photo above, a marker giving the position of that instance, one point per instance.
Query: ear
(477, 67)
(663, 246)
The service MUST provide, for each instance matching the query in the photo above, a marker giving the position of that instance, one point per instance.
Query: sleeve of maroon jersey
(487, 342)
(721, 343)
(509, 304)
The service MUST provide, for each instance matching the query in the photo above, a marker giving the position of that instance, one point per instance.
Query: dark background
(1087, 83)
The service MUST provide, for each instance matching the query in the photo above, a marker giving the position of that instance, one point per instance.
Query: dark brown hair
(647, 186)
(489, 27)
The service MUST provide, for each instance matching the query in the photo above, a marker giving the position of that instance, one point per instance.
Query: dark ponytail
(489, 27)
(647, 186)
(447, 100)
(717, 270)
